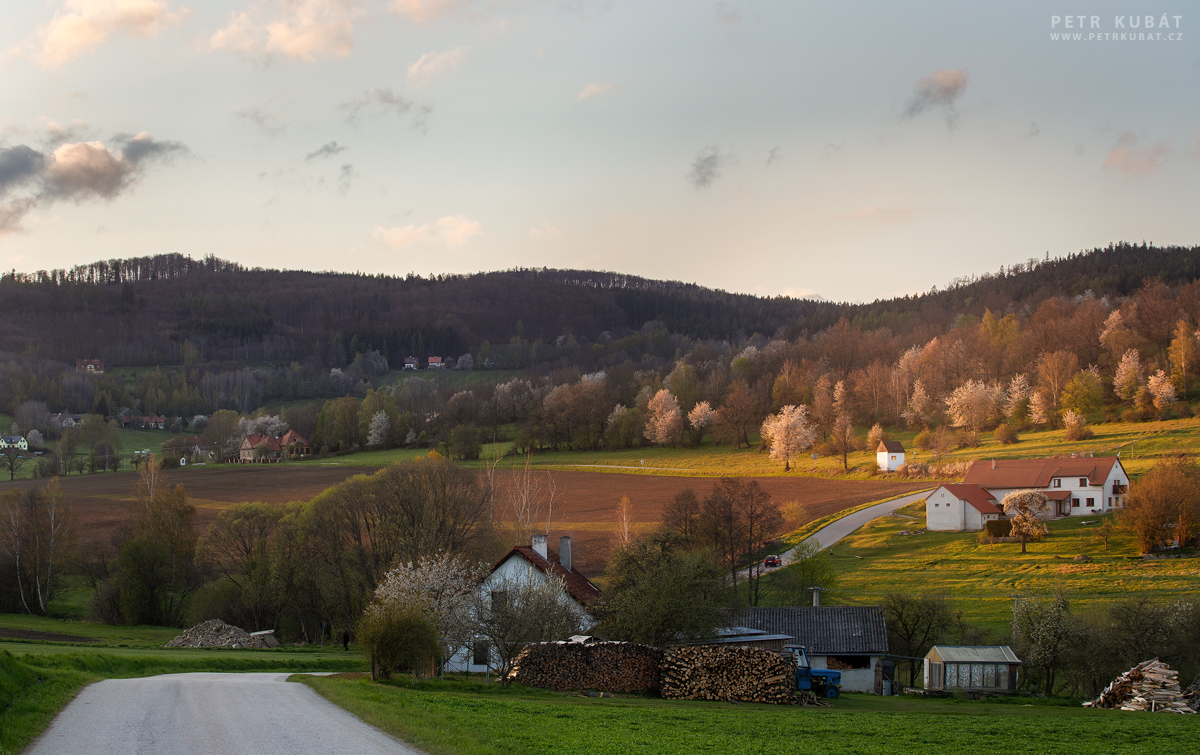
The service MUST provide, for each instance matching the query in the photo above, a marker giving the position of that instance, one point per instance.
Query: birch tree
(39, 536)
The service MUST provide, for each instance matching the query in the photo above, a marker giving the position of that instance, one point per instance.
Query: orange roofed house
(264, 449)
(1074, 487)
(525, 562)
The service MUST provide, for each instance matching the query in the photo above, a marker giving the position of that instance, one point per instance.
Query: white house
(1075, 487)
(521, 563)
(960, 508)
(889, 455)
(14, 441)
(852, 639)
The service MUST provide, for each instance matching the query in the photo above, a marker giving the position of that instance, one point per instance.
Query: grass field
(981, 580)
(465, 718)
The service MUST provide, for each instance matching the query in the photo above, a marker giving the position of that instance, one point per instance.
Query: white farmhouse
(889, 455)
(525, 562)
(14, 441)
(1074, 487)
(960, 508)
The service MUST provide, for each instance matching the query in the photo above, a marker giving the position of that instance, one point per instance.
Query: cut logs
(1150, 686)
(708, 672)
(605, 666)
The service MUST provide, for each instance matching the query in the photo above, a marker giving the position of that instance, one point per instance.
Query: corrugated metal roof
(824, 630)
(976, 654)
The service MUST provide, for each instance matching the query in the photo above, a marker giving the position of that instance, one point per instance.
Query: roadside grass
(457, 719)
(30, 697)
(982, 579)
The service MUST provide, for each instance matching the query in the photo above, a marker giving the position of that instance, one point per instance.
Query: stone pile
(215, 633)
(1150, 686)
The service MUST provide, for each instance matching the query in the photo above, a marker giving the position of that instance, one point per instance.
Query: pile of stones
(215, 633)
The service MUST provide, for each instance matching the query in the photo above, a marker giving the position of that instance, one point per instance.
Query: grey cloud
(708, 165)
(1034, 129)
(12, 213)
(378, 102)
(325, 150)
(345, 178)
(774, 155)
(271, 123)
(57, 133)
(142, 147)
(18, 165)
(940, 89)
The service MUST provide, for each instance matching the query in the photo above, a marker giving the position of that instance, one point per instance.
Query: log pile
(1150, 685)
(706, 672)
(606, 666)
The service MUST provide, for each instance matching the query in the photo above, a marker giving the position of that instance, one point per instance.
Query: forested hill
(170, 309)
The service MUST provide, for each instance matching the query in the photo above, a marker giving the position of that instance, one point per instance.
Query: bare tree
(914, 624)
(736, 416)
(12, 459)
(682, 516)
(525, 607)
(624, 521)
(842, 437)
(527, 501)
(38, 534)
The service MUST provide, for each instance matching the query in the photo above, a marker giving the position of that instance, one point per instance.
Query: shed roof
(1037, 473)
(890, 447)
(982, 500)
(824, 630)
(974, 654)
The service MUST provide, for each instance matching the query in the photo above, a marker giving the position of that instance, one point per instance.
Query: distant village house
(266, 449)
(91, 366)
(889, 455)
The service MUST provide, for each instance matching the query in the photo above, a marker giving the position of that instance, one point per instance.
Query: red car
(772, 561)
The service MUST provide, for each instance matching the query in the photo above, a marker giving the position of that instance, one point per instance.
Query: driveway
(180, 714)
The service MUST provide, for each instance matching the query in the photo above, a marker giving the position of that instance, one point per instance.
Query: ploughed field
(586, 508)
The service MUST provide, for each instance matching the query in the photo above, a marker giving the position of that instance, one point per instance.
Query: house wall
(853, 680)
(944, 511)
(889, 462)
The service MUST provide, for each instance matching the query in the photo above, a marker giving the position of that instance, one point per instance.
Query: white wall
(944, 511)
(853, 680)
(889, 462)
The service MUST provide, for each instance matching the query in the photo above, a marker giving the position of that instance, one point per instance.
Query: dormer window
(1057, 482)
(1083, 482)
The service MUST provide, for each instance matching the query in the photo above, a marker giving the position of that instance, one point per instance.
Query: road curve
(182, 714)
(835, 531)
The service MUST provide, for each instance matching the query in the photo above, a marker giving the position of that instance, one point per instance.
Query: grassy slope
(981, 579)
(532, 722)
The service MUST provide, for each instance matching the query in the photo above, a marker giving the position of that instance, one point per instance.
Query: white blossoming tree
(1016, 401)
(1162, 390)
(377, 433)
(919, 406)
(700, 417)
(1026, 509)
(664, 423)
(788, 432)
(973, 403)
(1129, 377)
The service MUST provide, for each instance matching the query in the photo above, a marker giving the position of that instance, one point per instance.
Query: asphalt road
(185, 714)
(834, 531)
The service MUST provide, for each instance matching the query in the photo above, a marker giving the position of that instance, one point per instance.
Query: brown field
(587, 512)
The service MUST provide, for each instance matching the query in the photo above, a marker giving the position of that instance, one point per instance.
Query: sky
(844, 150)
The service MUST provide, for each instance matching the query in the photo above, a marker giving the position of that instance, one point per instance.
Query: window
(1083, 483)
(951, 675)
(1074, 503)
(1057, 483)
(1091, 503)
(499, 600)
(480, 653)
(1110, 501)
(937, 675)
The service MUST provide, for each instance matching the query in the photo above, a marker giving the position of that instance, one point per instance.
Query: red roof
(291, 436)
(272, 443)
(435, 360)
(579, 586)
(982, 500)
(1037, 473)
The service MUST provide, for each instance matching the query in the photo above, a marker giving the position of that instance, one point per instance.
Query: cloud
(377, 102)
(432, 63)
(774, 156)
(77, 171)
(421, 11)
(881, 214)
(272, 124)
(939, 89)
(1034, 130)
(57, 133)
(730, 18)
(291, 29)
(594, 89)
(80, 26)
(710, 162)
(325, 150)
(544, 232)
(1128, 159)
(450, 231)
(18, 166)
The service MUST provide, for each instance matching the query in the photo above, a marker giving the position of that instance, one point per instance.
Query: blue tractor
(820, 681)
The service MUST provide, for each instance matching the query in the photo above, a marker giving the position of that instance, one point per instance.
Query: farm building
(852, 639)
(14, 441)
(1075, 487)
(523, 562)
(889, 455)
(972, 668)
(960, 508)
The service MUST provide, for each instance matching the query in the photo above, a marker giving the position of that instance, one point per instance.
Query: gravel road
(183, 714)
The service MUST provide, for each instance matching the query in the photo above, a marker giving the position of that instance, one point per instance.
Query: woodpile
(1150, 685)
(607, 666)
(708, 672)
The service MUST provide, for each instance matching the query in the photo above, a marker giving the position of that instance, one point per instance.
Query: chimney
(564, 552)
(993, 463)
(539, 545)
(816, 596)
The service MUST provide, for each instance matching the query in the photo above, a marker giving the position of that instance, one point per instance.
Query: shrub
(397, 638)
(998, 528)
(923, 440)
(1006, 434)
(1076, 424)
(1185, 411)
(1130, 415)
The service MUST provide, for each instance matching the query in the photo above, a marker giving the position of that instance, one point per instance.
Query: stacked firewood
(604, 666)
(1150, 685)
(713, 672)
